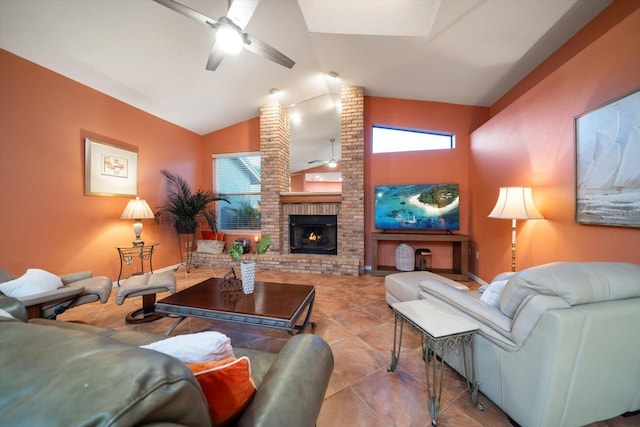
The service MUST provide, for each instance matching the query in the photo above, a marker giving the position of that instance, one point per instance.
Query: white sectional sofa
(561, 344)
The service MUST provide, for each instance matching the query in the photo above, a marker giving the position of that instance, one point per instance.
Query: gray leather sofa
(562, 348)
(55, 373)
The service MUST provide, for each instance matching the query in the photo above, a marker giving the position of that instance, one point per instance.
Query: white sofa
(562, 346)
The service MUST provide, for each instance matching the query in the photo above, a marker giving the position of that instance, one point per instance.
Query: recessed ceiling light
(333, 74)
(295, 118)
(274, 91)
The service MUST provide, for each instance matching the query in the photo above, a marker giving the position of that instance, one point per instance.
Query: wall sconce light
(137, 210)
(515, 203)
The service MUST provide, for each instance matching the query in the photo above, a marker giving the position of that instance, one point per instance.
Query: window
(390, 140)
(237, 179)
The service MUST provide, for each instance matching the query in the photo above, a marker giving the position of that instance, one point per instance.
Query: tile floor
(353, 317)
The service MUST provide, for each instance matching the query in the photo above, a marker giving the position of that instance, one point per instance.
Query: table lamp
(515, 203)
(137, 210)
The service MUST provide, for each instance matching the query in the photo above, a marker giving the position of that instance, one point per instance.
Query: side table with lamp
(137, 209)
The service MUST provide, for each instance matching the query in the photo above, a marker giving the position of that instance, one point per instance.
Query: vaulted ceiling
(456, 51)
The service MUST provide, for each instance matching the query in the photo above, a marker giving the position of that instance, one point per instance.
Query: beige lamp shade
(515, 203)
(137, 210)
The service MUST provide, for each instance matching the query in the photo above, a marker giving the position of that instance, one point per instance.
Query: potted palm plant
(186, 209)
(248, 266)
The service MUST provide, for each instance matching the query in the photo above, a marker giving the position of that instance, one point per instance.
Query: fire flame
(313, 237)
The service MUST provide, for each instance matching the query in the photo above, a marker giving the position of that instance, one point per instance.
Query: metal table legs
(433, 352)
(433, 355)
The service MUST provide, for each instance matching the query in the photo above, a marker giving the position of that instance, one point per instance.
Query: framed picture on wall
(608, 163)
(110, 169)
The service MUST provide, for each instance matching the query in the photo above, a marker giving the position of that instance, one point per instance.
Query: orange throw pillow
(207, 234)
(227, 386)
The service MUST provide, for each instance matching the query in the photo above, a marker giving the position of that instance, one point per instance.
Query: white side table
(440, 328)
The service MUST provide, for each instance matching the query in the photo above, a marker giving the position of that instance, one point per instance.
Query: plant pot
(248, 271)
(186, 225)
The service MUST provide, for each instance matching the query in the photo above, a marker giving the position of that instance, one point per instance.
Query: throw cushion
(210, 246)
(210, 235)
(34, 281)
(228, 387)
(198, 347)
(491, 295)
(207, 234)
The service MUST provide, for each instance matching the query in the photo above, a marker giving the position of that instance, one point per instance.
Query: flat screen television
(419, 207)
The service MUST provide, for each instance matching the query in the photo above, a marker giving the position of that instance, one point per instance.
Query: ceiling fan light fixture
(229, 37)
(332, 163)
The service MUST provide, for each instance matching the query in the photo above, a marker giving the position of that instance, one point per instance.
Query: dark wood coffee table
(272, 305)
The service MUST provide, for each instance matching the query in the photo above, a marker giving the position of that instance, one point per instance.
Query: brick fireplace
(277, 203)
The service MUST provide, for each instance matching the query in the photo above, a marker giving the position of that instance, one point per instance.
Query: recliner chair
(78, 288)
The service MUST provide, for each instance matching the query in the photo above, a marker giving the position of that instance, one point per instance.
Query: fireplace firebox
(313, 234)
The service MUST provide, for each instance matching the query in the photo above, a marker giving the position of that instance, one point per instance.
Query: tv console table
(459, 245)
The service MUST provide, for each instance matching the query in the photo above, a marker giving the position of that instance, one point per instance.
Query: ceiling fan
(229, 35)
(331, 163)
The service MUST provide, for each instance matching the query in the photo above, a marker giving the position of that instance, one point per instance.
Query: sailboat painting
(608, 164)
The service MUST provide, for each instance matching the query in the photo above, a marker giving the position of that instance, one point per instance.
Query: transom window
(393, 140)
(237, 178)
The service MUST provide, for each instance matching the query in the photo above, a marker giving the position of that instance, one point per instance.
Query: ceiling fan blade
(241, 11)
(257, 46)
(215, 57)
(188, 12)
(316, 161)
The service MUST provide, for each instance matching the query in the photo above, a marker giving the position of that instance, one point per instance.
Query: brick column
(351, 218)
(274, 150)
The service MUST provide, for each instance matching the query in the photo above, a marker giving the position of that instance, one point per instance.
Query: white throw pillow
(34, 281)
(198, 347)
(491, 295)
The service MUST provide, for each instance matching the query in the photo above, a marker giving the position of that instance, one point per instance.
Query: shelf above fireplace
(310, 197)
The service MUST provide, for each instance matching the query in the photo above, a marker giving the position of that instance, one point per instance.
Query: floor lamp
(515, 203)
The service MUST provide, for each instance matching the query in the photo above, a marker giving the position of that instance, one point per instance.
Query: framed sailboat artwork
(608, 163)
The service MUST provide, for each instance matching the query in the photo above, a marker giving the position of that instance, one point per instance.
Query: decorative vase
(248, 270)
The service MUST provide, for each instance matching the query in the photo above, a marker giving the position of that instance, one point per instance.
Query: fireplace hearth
(313, 234)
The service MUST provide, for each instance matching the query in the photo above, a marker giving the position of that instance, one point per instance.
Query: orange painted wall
(323, 187)
(46, 221)
(440, 166)
(298, 182)
(530, 142)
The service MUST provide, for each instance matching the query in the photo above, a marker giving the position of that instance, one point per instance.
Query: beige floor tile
(354, 359)
(347, 409)
(396, 397)
(356, 320)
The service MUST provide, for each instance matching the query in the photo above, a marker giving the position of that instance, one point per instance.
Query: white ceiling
(458, 51)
